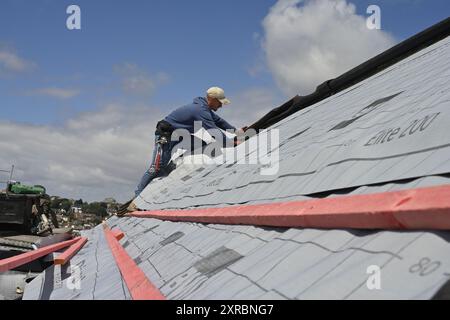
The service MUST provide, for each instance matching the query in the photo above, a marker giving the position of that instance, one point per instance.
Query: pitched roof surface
(390, 127)
(386, 133)
(196, 261)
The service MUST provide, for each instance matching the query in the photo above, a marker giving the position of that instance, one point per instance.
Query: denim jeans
(155, 169)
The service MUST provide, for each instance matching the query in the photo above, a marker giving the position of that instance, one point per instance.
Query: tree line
(97, 208)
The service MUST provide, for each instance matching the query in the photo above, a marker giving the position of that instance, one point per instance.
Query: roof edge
(414, 209)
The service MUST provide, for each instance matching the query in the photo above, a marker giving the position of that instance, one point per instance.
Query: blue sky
(79, 108)
(186, 40)
(194, 43)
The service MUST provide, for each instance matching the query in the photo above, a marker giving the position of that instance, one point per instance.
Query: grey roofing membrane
(93, 268)
(388, 132)
(197, 261)
(389, 127)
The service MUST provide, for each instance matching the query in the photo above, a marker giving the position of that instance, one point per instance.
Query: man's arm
(209, 119)
(221, 123)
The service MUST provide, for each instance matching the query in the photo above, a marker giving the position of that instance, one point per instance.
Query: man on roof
(202, 109)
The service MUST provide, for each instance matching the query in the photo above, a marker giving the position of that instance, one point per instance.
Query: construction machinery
(26, 223)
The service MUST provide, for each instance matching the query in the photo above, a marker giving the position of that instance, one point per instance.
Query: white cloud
(308, 42)
(58, 93)
(102, 153)
(11, 62)
(137, 81)
(97, 155)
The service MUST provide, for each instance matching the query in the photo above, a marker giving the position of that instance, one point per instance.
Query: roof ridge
(363, 71)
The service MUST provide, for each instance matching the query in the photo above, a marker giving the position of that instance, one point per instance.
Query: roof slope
(196, 261)
(388, 132)
(390, 127)
(94, 265)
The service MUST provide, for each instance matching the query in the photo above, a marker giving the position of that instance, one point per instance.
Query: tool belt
(164, 130)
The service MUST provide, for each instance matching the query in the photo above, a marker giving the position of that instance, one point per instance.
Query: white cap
(219, 94)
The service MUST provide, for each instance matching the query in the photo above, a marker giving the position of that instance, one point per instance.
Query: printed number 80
(425, 267)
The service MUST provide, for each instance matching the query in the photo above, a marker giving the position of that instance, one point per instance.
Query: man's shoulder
(196, 103)
(186, 107)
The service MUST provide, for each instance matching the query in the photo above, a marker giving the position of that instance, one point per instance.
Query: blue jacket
(184, 117)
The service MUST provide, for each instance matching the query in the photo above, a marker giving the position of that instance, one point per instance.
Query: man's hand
(241, 132)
